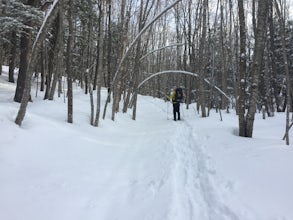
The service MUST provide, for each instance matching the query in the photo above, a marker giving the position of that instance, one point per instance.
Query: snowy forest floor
(150, 169)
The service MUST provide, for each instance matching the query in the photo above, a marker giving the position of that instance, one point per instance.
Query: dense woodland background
(239, 52)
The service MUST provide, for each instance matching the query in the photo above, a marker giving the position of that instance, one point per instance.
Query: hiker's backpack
(178, 95)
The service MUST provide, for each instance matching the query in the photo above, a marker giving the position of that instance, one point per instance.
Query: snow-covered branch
(48, 15)
(162, 48)
(167, 71)
(182, 72)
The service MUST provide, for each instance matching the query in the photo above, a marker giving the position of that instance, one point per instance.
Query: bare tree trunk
(97, 61)
(69, 64)
(242, 70)
(285, 59)
(272, 58)
(84, 58)
(202, 59)
(60, 47)
(136, 77)
(1, 58)
(25, 55)
(260, 39)
(2, 13)
(89, 70)
(211, 95)
(266, 99)
(127, 100)
(43, 65)
(12, 56)
(253, 17)
(187, 54)
(53, 54)
(100, 64)
(91, 101)
(223, 58)
(109, 49)
(142, 20)
(117, 87)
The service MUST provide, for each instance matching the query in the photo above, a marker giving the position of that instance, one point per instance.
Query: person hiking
(176, 97)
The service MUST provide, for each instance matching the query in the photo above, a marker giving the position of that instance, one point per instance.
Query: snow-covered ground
(150, 169)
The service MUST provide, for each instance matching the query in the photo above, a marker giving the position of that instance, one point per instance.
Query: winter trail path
(165, 173)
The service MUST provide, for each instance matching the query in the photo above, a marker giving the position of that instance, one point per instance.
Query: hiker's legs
(174, 111)
(177, 110)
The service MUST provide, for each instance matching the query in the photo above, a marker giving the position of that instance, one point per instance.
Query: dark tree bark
(58, 50)
(202, 59)
(43, 65)
(69, 64)
(260, 39)
(25, 53)
(1, 57)
(223, 58)
(12, 56)
(272, 58)
(109, 49)
(285, 60)
(117, 87)
(54, 48)
(136, 77)
(2, 13)
(25, 48)
(242, 70)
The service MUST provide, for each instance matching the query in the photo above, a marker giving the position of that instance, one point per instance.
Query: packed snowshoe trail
(172, 175)
(153, 168)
